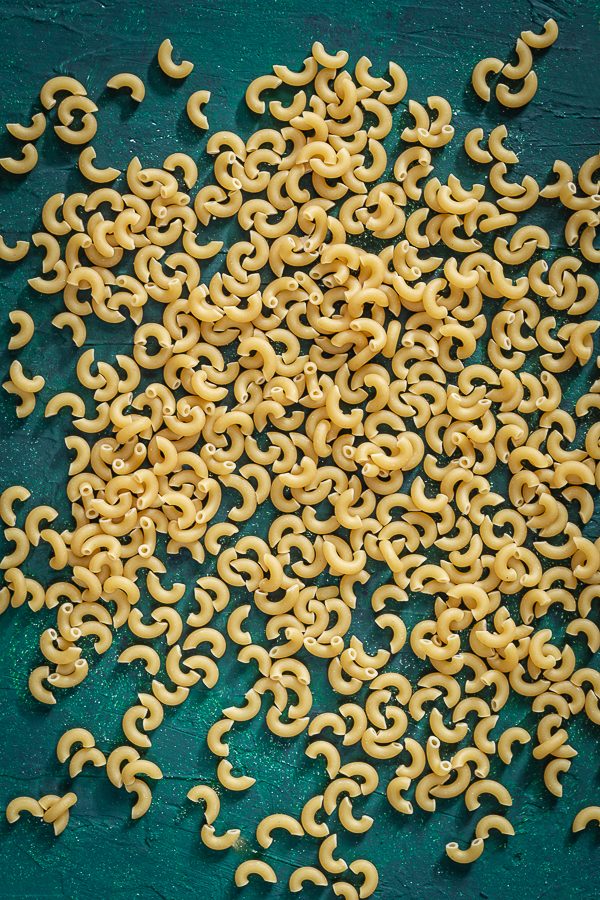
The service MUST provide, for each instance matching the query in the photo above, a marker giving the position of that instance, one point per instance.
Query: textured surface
(102, 853)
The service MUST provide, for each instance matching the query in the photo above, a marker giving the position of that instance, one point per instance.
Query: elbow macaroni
(330, 380)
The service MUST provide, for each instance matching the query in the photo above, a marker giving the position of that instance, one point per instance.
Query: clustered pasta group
(371, 396)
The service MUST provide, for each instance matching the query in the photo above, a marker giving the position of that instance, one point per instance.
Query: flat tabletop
(102, 853)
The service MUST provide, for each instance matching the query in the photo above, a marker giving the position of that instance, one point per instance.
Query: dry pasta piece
(13, 254)
(194, 105)
(58, 84)
(256, 87)
(276, 820)
(133, 83)
(24, 165)
(28, 132)
(219, 842)
(256, 867)
(77, 136)
(481, 73)
(493, 822)
(57, 810)
(26, 328)
(584, 817)
(544, 39)
(91, 172)
(516, 99)
(472, 853)
(365, 869)
(20, 805)
(303, 874)
(168, 66)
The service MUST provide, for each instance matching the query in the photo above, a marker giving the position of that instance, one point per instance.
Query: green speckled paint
(103, 854)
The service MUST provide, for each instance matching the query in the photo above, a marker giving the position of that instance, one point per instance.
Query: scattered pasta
(370, 395)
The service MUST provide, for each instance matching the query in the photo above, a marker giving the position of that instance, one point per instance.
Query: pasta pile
(355, 364)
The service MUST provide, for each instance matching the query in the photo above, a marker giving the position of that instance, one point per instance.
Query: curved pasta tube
(25, 164)
(480, 75)
(194, 105)
(91, 172)
(545, 39)
(256, 867)
(13, 254)
(473, 852)
(132, 83)
(20, 805)
(276, 820)
(167, 64)
(584, 817)
(28, 132)
(306, 873)
(516, 99)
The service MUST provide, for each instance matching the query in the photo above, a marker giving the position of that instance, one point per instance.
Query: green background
(103, 854)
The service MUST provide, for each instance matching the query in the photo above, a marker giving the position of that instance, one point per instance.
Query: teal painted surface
(103, 854)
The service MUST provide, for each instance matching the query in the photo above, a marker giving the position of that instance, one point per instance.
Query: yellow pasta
(256, 867)
(22, 165)
(493, 822)
(133, 83)
(26, 327)
(365, 869)
(23, 804)
(516, 99)
(194, 105)
(28, 132)
(168, 66)
(545, 39)
(304, 410)
(60, 83)
(57, 810)
(481, 73)
(584, 817)
(469, 855)
(13, 254)
(306, 874)
(91, 172)
(219, 842)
